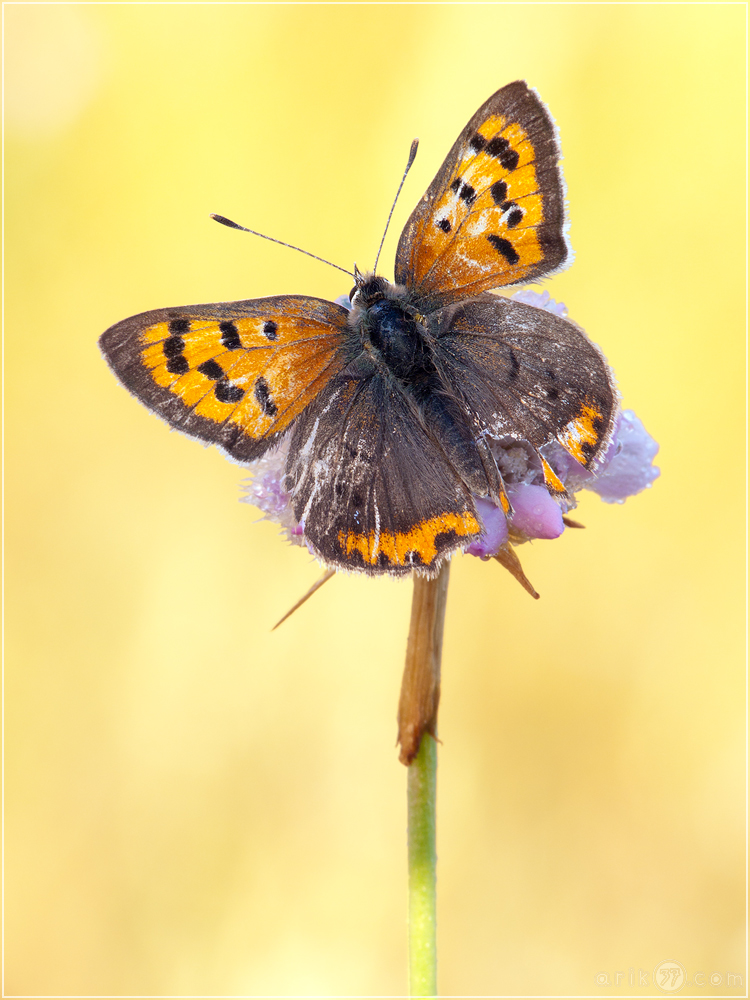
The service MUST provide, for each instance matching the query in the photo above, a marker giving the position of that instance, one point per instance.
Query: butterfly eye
(352, 293)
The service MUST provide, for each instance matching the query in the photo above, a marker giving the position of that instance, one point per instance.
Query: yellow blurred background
(198, 805)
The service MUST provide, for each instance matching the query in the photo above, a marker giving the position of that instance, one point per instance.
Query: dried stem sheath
(420, 687)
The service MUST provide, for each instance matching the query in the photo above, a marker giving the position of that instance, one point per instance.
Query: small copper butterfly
(391, 404)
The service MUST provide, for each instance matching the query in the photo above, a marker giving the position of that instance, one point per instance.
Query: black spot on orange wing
(504, 247)
(263, 394)
(499, 192)
(497, 146)
(226, 392)
(500, 148)
(467, 194)
(173, 346)
(230, 337)
(510, 160)
(178, 364)
(211, 369)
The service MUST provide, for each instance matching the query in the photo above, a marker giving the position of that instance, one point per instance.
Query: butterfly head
(368, 290)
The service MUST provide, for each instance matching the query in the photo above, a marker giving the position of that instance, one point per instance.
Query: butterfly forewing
(494, 214)
(234, 374)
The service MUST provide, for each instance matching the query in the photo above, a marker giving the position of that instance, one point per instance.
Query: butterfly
(390, 408)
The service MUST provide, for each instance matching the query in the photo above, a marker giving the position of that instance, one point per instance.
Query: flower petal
(630, 470)
(535, 513)
(541, 300)
(495, 529)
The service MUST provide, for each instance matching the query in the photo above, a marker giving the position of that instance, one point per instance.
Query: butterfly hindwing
(495, 213)
(527, 373)
(233, 374)
(370, 487)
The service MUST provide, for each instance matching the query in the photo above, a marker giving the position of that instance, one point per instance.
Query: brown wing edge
(554, 230)
(612, 415)
(121, 349)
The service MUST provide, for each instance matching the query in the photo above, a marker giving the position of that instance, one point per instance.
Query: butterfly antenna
(244, 229)
(412, 155)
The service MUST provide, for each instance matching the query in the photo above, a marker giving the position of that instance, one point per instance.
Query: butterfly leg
(496, 487)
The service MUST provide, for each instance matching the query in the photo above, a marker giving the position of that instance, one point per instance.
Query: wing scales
(494, 213)
(526, 373)
(233, 374)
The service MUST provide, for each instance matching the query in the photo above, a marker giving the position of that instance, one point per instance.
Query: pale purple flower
(628, 470)
(495, 529)
(263, 490)
(541, 300)
(535, 513)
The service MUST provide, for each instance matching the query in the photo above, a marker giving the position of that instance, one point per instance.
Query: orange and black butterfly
(392, 405)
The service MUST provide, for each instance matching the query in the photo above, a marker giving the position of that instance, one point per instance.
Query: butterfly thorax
(390, 329)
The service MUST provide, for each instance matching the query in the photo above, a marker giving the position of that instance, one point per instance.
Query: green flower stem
(422, 869)
(417, 733)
